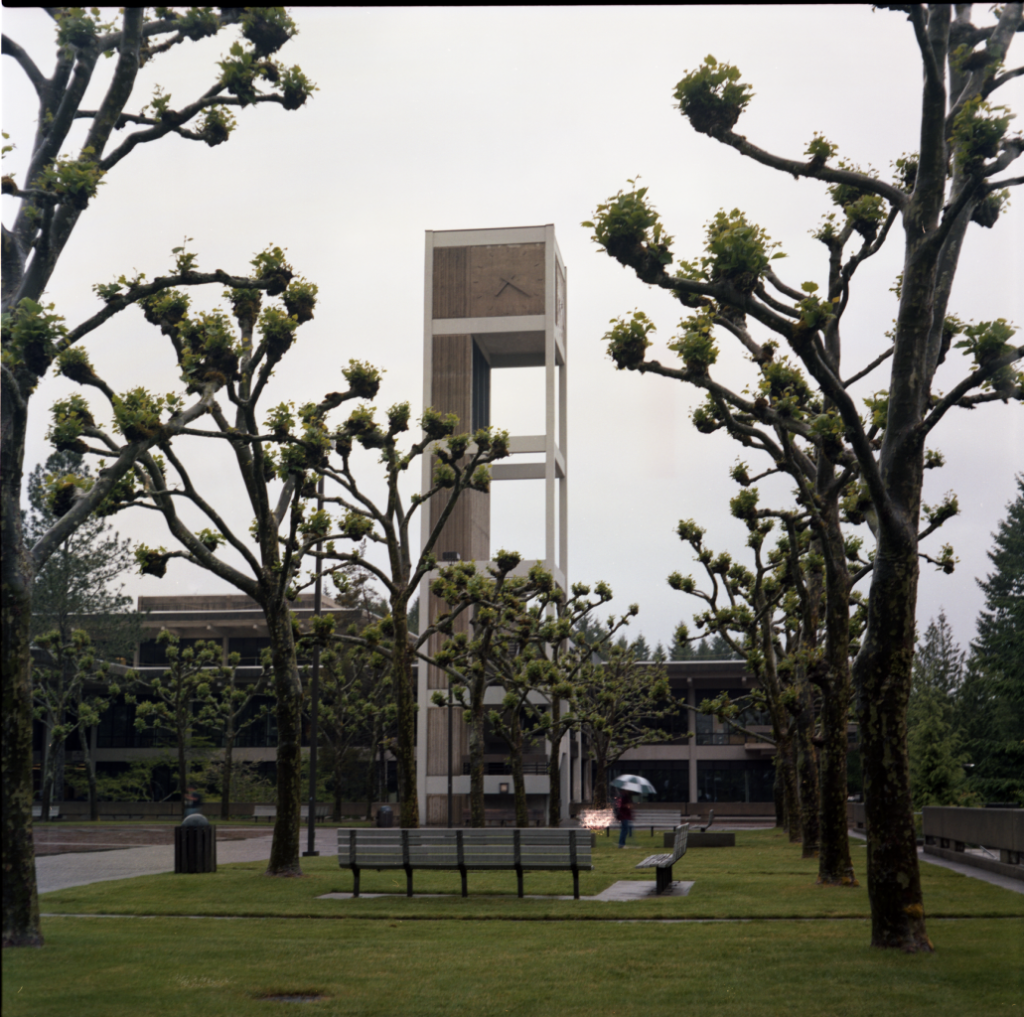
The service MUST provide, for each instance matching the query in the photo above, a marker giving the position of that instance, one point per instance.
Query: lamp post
(315, 693)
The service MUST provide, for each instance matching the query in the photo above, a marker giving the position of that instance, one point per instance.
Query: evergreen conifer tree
(992, 699)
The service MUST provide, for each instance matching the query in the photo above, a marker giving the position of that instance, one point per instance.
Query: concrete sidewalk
(1016, 885)
(58, 872)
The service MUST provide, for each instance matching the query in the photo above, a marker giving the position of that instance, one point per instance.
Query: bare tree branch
(867, 370)
(36, 76)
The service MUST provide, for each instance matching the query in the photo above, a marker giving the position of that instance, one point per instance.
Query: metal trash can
(195, 845)
(385, 817)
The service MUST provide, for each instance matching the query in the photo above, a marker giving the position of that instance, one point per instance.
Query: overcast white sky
(463, 118)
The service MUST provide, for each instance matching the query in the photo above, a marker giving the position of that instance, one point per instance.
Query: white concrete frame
(553, 443)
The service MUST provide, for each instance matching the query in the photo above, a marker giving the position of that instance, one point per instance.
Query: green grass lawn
(483, 965)
(110, 967)
(762, 877)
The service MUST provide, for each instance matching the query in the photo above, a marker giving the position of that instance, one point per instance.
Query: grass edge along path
(762, 877)
(188, 968)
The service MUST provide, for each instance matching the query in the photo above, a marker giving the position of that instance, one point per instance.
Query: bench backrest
(537, 848)
(679, 848)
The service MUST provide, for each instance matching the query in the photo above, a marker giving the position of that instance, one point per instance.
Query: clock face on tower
(505, 279)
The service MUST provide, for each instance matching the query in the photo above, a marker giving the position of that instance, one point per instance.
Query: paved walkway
(58, 872)
(1016, 885)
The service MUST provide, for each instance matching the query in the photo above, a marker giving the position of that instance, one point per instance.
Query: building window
(711, 731)
(735, 780)
(151, 653)
(248, 648)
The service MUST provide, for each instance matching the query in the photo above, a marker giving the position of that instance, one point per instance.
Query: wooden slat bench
(515, 849)
(662, 864)
(660, 819)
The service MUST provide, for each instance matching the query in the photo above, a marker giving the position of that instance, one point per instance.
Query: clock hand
(508, 282)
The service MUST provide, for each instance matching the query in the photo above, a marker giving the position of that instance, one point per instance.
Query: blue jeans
(625, 830)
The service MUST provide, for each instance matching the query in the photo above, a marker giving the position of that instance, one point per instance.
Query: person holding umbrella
(628, 784)
(624, 810)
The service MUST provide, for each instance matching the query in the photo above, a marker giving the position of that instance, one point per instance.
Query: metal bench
(515, 849)
(504, 817)
(37, 812)
(662, 864)
(661, 819)
(269, 812)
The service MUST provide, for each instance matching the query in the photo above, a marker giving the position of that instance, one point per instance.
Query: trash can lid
(196, 819)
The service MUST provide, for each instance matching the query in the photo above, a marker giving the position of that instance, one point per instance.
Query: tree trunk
(600, 750)
(807, 769)
(883, 676)
(554, 768)
(478, 817)
(226, 772)
(90, 774)
(518, 779)
(49, 760)
(835, 867)
(406, 748)
(339, 763)
(835, 863)
(785, 759)
(777, 794)
(284, 850)
(182, 760)
(20, 898)
(785, 763)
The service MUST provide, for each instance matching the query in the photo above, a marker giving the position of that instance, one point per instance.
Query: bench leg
(519, 878)
(465, 891)
(355, 881)
(408, 882)
(663, 878)
(576, 884)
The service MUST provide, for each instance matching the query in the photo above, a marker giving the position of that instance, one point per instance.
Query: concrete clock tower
(495, 299)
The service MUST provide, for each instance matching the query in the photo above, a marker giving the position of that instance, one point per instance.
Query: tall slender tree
(820, 439)
(56, 190)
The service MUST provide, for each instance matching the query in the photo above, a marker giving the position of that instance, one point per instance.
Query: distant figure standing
(624, 808)
(193, 802)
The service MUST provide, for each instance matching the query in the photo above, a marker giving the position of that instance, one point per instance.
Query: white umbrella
(631, 782)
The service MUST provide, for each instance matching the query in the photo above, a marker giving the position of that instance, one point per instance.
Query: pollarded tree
(275, 470)
(757, 616)
(70, 693)
(462, 462)
(619, 703)
(820, 439)
(74, 590)
(55, 192)
(527, 636)
(498, 649)
(229, 710)
(179, 701)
